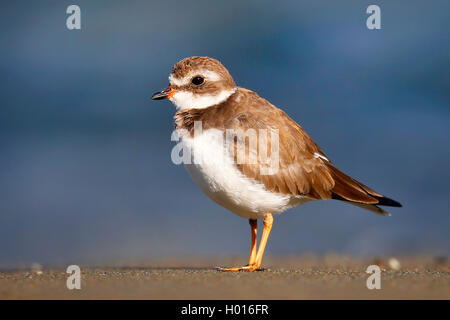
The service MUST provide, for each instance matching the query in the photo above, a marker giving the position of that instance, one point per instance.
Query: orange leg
(254, 227)
(255, 257)
(268, 222)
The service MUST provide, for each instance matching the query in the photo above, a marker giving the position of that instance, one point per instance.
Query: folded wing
(303, 169)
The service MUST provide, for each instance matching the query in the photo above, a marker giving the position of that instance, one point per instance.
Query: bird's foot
(248, 268)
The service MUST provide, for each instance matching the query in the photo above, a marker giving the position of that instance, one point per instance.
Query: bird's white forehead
(207, 74)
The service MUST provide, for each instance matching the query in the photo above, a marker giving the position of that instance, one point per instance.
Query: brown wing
(303, 167)
(300, 171)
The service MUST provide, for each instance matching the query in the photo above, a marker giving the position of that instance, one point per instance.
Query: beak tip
(158, 96)
(162, 94)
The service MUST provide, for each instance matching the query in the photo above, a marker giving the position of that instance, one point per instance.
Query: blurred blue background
(85, 169)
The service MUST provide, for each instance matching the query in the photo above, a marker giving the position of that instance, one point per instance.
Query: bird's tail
(350, 190)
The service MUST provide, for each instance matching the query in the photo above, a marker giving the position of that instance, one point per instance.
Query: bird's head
(196, 83)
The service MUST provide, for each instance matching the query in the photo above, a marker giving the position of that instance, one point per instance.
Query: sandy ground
(328, 277)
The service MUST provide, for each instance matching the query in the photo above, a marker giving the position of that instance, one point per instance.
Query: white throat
(189, 100)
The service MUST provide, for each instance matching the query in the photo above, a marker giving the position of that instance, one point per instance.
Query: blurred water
(85, 170)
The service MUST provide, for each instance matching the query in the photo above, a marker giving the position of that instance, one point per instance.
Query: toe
(248, 268)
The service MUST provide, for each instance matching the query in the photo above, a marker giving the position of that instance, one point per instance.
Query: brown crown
(188, 65)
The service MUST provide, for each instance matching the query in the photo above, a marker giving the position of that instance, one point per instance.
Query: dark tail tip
(385, 201)
(382, 201)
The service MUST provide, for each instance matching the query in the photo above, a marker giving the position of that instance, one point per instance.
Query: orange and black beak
(166, 93)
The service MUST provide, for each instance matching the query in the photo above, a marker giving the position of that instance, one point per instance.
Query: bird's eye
(197, 80)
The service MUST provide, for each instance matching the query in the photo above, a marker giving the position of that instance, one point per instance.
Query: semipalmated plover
(209, 107)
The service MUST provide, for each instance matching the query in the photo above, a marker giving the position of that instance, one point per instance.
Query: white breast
(216, 174)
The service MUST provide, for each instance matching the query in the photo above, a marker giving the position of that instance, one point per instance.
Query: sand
(327, 277)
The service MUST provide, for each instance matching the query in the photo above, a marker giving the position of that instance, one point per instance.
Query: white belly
(214, 171)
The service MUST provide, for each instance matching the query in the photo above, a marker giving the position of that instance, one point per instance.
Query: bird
(212, 112)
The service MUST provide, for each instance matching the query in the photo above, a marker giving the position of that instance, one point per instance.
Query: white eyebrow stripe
(316, 155)
(208, 74)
